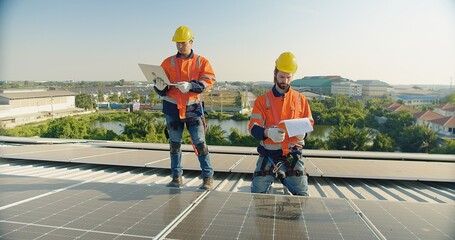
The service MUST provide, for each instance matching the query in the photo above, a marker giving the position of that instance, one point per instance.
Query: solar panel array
(40, 208)
(397, 220)
(233, 162)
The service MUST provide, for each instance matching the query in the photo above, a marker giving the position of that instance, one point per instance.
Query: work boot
(177, 181)
(208, 183)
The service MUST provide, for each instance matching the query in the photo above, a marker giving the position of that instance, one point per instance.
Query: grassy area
(215, 98)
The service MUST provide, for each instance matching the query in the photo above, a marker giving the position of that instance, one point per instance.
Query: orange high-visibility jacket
(180, 69)
(269, 110)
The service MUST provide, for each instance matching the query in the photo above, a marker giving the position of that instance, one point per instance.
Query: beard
(283, 86)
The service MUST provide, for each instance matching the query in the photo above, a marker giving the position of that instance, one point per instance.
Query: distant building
(314, 96)
(348, 88)
(417, 100)
(373, 88)
(424, 117)
(20, 106)
(445, 109)
(396, 107)
(445, 127)
(317, 84)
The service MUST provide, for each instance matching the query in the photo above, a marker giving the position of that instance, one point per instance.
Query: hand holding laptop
(156, 74)
(160, 84)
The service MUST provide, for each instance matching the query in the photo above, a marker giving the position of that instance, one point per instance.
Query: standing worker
(280, 156)
(182, 104)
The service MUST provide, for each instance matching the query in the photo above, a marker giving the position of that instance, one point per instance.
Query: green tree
(114, 98)
(68, 127)
(314, 143)
(102, 134)
(238, 102)
(134, 96)
(215, 135)
(319, 112)
(447, 147)
(84, 101)
(238, 139)
(417, 138)
(3, 132)
(154, 98)
(143, 127)
(396, 123)
(99, 96)
(349, 138)
(383, 143)
(450, 98)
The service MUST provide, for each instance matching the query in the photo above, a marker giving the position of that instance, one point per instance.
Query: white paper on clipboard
(154, 71)
(297, 126)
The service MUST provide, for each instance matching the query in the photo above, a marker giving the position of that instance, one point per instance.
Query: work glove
(301, 136)
(276, 134)
(160, 84)
(184, 87)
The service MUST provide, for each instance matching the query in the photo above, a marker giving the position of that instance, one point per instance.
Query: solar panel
(38, 149)
(220, 162)
(96, 211)
(247, 165)
(257, 216)
(381, 169)
(17, 188)
(51, 153)
(406, 220)
(34, 208)
(123, 157)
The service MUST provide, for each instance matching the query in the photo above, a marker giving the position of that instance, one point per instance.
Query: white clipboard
(297, 126)
(154, 71)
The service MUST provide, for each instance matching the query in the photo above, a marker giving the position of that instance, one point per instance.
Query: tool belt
(289, 173)
(289, 161)
(177, 124)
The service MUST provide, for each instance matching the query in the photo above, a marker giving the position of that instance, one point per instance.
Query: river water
(320, 131)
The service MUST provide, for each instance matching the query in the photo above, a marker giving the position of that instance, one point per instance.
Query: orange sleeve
(207, 75)
(258, 113)
(306, 109)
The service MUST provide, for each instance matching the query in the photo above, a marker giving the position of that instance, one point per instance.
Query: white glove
(301, 136)
(276, 134)
(184, 87)
(160, 84)
(301, 140)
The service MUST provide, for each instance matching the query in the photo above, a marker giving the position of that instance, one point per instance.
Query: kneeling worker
(280, 156)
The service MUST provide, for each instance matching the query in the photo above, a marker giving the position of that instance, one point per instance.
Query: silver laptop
(154, 71)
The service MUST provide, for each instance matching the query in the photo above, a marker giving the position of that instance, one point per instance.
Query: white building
(445, 127)
(373, 88)
(445, 109)
(348, 88)
(20, 106)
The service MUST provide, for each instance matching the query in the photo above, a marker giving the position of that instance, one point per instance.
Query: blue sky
(395, 41)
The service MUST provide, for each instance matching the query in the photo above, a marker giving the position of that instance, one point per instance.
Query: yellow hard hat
(182, 34)
(286, 63)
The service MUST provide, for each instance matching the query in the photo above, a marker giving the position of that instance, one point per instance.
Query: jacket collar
(189, 56)
(278, 94)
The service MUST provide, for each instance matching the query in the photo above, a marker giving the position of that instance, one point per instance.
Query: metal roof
(38, 94)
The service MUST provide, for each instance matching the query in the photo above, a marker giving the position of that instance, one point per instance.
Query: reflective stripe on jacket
(180, 69)
(269, 110)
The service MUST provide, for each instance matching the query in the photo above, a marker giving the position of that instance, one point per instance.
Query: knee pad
(175, 147)
(202, 149)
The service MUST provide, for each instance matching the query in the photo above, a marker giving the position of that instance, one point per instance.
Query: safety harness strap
(296, 173)
(290, 160)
